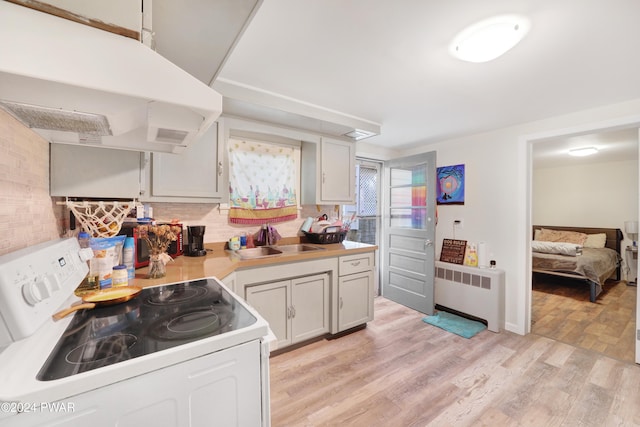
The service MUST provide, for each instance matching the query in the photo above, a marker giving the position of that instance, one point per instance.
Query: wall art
(450, 185)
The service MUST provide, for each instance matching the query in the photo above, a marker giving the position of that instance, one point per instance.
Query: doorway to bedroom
(596, 191)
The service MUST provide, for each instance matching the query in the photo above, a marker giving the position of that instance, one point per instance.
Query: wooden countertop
(220, 263)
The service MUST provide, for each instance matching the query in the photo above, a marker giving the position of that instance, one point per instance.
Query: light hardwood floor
(400, 371)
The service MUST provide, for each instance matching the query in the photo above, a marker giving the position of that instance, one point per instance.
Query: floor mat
(456, 324)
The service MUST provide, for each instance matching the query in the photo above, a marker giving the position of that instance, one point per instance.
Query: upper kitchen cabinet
(77, 171)
(200, 36)
(196, 175)
(329, 172)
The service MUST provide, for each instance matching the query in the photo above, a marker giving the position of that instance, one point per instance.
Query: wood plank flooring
(561, 310)
(400, 371)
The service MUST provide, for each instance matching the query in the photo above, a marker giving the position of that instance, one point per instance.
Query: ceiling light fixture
(581, 152)
(490, 38)
(358, 134)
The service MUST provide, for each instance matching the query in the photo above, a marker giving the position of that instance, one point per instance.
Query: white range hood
(77, 84)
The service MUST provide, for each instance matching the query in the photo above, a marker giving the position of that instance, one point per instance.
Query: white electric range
(181, 354)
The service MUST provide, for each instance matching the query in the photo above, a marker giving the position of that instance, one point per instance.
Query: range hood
(75, 84)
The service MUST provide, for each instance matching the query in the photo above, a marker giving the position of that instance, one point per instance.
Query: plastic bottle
(84, 239)
(128, 257)
(90, 282)
(119, 277)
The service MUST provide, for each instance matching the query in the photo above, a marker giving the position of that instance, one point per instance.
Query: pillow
(561, 248)
(536, 234)
(595, 240)
(549, 235)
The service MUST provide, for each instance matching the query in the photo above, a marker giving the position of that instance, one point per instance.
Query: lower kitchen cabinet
(230, 281)
(296, 309)
(355, 290)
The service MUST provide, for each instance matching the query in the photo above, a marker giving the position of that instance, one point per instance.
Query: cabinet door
(355, 300)
(310, 303)
(230, 281)
(337, 180)
(273, 302)
(82, 171)
(196, 173)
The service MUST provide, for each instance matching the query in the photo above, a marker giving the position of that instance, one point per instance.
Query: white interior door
(409, 231)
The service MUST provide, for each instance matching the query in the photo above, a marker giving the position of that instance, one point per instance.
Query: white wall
(593, 195)
(497, 206)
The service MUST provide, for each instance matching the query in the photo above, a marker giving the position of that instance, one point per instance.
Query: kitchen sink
(260, 252)
(301, 247)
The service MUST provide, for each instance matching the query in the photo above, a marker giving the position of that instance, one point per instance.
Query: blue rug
(456, 324)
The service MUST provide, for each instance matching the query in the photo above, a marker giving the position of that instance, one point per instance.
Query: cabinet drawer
(355, 263)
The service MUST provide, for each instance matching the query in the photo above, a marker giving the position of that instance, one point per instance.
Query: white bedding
(560, 248)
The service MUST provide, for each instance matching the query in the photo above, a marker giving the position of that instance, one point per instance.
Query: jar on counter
(120, 276)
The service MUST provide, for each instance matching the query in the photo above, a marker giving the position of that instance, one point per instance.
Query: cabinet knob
(356, 263)
(219, 168)
(341, 303)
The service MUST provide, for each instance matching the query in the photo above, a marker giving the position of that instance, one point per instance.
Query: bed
(593, 261)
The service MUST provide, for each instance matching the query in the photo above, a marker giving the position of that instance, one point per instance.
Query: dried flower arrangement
(159, 237)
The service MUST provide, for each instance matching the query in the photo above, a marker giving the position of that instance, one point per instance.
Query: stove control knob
(34, 292)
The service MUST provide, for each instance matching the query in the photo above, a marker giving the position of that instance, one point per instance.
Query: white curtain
(262, 179)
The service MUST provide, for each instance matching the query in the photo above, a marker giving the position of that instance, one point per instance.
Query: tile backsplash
(218, 227)
(28, 215)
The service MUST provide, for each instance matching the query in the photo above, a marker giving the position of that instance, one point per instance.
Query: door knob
(428, 243)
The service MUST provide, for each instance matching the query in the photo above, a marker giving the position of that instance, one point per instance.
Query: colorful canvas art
(450, 185)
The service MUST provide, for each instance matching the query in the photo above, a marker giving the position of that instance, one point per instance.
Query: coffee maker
(195, 245)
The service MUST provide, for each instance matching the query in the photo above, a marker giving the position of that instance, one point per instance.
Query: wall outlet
(458, 223)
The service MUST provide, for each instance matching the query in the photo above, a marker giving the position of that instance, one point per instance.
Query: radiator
(477, 292)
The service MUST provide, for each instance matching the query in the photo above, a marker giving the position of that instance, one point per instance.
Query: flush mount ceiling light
(490, 38)
(581, 152)
(358, 134)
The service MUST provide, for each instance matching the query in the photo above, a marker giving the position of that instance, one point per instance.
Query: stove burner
(176, 295)
(102, 348)
(200, 322)
(193, 322)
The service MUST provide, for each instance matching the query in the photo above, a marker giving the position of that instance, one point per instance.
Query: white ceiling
(612, 146)
(387, 62)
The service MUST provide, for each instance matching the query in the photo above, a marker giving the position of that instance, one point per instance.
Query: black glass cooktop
(157, 319)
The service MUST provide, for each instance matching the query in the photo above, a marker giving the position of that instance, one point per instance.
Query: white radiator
(474, 291)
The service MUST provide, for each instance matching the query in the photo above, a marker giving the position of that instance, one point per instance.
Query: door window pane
(408, 194)
(408, 218)
(367, 191)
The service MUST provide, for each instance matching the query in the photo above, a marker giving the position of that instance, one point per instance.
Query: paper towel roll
(483, 252)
